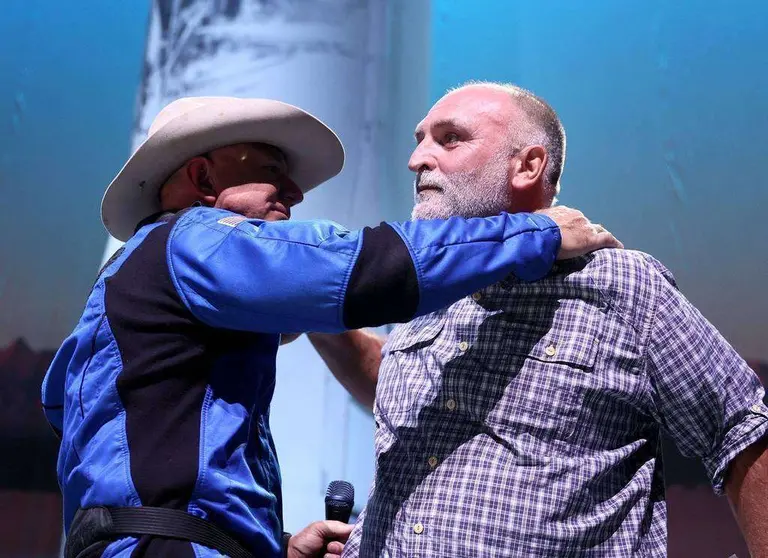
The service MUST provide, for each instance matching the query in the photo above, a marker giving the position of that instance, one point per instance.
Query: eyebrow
(443, 123)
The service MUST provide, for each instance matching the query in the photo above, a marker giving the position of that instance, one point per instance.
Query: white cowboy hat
(193, 126)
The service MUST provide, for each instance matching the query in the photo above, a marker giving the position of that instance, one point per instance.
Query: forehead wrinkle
(495, 106)
(468, 117)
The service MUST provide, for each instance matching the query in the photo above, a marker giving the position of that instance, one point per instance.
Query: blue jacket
(161, 394)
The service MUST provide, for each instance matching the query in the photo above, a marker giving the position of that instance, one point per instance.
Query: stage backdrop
(663, 102)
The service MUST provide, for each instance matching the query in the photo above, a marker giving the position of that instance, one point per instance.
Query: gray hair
(545, 128)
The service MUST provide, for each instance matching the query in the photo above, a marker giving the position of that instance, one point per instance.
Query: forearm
(747, 490)
(354, 358)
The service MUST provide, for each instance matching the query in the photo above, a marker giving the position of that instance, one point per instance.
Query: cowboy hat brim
(313, 151)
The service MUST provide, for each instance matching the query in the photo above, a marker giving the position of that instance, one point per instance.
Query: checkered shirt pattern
(525, 420)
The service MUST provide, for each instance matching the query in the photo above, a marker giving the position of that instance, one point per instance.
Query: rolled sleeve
(704, 394)
(751, 428)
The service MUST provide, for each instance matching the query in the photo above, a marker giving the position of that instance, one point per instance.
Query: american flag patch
(232, 221)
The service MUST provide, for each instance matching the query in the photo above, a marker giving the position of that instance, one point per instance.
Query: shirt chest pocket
(410, 368)
(534, 382)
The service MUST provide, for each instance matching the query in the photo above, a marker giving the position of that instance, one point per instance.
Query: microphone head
(339, 500)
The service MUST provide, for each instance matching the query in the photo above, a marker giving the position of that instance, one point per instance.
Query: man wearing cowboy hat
(161, 394)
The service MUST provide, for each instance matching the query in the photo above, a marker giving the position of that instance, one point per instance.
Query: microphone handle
(334, 513)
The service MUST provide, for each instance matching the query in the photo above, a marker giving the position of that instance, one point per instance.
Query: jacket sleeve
(283, 276)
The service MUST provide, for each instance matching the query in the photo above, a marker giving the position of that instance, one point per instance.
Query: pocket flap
(564, 341)
(576, 350)
(416, 333)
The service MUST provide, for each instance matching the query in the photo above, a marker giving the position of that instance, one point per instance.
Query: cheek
(225, 180)
(462, 160)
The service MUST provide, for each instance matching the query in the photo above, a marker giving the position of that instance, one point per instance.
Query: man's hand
(312, 540)
(579, 236)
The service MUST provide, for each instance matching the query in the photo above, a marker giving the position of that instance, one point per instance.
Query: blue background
(665, 106)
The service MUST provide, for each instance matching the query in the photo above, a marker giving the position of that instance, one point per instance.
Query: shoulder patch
(232, 221)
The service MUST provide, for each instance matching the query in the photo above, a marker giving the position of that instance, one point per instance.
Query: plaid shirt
(525, 420)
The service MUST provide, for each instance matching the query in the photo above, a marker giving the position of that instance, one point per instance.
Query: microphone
(339, 499)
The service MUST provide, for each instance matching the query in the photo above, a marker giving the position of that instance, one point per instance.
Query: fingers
(335, 547)
(336, 530)
(578, 235)
(607, 240)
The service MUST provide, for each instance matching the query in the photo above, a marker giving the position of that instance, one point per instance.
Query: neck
(528, 202)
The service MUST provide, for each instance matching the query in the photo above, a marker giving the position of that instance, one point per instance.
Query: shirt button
(418, 528)
(757, 409)
(432, 462)
(463, 346)
(550, 350)
(450, 405)
(476, 296)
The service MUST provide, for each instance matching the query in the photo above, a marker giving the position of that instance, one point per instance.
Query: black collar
(154, 218)
(163, 216)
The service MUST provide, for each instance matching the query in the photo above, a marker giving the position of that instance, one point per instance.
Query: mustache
(428, 179)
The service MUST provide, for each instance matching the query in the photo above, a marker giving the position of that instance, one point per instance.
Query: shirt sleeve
(295, 276)
(704, 393)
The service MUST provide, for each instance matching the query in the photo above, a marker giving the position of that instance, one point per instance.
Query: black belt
(93, 525)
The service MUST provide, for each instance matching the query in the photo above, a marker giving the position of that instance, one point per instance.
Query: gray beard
(480, 193)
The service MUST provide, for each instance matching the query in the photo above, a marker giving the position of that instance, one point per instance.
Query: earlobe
(206, 192)
(208, 201)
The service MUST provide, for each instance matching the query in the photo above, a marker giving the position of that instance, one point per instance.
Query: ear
(198, 172)
(528, 167)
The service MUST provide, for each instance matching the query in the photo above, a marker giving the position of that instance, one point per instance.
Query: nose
(422, 158)
(290, 192)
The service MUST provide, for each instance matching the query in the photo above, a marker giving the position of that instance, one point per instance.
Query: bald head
(535, 123)
(483, 149)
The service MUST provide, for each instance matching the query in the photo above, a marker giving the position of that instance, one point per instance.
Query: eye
(450, 137)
